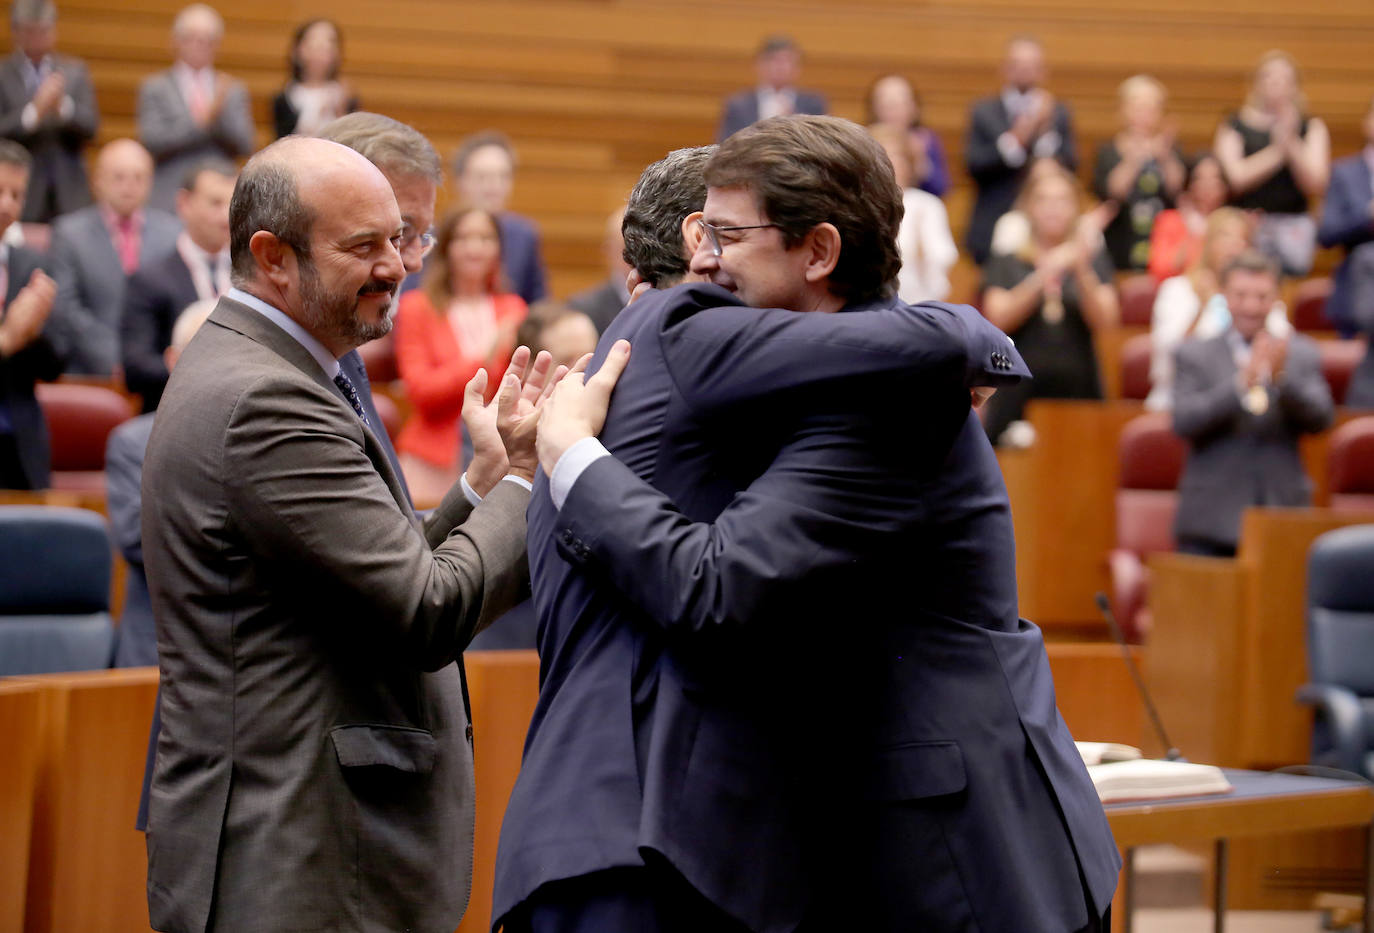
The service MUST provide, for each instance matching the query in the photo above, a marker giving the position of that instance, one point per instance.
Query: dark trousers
(12, 475)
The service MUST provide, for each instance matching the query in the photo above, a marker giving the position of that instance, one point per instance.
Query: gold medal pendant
(1257, 400)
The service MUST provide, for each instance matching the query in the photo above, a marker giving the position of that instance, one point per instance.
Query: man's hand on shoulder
(576, 409)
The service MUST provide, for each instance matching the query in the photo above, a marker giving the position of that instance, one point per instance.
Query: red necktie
(127, 245)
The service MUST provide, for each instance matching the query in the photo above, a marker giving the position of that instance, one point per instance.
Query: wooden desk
(19, 724)
(1261, 804)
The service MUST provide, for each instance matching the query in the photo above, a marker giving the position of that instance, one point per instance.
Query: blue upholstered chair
(1340, 649)
(54, 590)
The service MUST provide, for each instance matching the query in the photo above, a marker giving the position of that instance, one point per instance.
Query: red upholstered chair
(379, 356)
(1137, 299)
(1339, 359)
(1309, 305)
(389, 413)
(1151, 459)
(80, 418)
(1135, 367)
(1350, 466)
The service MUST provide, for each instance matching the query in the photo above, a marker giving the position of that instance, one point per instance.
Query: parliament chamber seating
(80, 417)
(1135, 367)
(1350, 465)
(1309, 304)
(1340, 646)
(1339, 359)
(1151, 456)
(1137, 299)
(55, 567)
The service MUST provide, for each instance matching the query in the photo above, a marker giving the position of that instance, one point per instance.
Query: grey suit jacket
(1239, 459)
(90, 283)
(166, 128)
(314, 769)
(57, 182)
(124, 451)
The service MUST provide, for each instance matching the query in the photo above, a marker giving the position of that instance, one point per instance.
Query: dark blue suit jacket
(154, 296)
(41, 359)
(521, 257)
(1346, 222)
(742, 110)
(748, 698)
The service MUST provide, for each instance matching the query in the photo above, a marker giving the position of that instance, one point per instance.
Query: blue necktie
(346, 387)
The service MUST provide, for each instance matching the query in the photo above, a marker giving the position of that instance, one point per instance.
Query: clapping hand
(27, 313)
(503, 430)
(577, 407)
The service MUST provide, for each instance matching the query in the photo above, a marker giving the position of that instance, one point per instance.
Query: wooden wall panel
(19, 724)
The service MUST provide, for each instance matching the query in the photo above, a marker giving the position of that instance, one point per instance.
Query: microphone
(1105, 607)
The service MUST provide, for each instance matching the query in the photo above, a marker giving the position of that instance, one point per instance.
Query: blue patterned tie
(346, 387)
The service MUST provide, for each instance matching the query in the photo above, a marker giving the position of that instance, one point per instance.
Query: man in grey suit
(1242, 400)
(47, 105)
(95, 249)
(191, 112)
(314, 769)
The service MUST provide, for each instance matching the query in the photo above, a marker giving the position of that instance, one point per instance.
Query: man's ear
(823, 252)
(273, 258)
(691, 234)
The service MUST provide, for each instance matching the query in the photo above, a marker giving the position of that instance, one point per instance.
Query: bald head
(123, 176)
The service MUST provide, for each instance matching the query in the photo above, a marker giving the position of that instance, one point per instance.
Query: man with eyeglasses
(784, 682)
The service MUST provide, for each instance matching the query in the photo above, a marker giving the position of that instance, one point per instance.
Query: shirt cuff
(1013, 153)
(571, 465)
(66, 108)
(468, 491)
(28, 118)
(1047, 145)
(519, 481)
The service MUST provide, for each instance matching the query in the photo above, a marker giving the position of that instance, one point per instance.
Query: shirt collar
(302, 336)
(112, 219)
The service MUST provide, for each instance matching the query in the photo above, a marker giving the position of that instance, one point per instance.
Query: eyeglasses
(713, 233)
(409, 235)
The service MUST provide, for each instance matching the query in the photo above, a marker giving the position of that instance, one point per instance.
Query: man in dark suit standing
(778, 65)
(484, 174)
(1243, 400)
(1007, 133)
(97, 248)
(47, 104)
(314, 766)
(683, 771)
(27, 354)
(196, 269)
(1348, 221)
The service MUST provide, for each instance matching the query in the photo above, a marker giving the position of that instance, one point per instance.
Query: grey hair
(392, 146)
(266, 198)
(183, 19)
(39, 12)
(667, 191)
(11, 153)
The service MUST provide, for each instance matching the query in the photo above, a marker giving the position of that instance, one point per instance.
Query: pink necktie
(128, 245)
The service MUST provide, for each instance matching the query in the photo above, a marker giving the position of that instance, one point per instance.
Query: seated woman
(316, 94)
(1139, 171)
(1050, 297)
(461, 319)
(1277, 158)
(1191, 305)
(1176, 242)
(926, 245)
(892, 102)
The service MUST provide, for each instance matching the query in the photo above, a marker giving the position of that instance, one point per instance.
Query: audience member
(1277, 157)
(197, 268)
(1050, 299)
(1191, 306)
(26, 353)
(778, 64)
(124, 451)
(1348, 221)
(192, 112)
(893, 102)
(484, 172)
(566, 333)
(1242, 399)
(316, 94)
(603, 302)
(95, 249)
(459, 321)
(1007, 133)
(1176, 240)
(47, 105)
(926, 245)
(1139, 171)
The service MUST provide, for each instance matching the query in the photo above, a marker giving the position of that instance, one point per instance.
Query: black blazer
(742, 110)
(153, 298)
(999, 183)
(18, 373)
(57, 182)
(724, 678)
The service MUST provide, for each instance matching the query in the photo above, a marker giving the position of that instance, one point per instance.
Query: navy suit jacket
(521, 257)
(999, 183)
(1346, 222)
(742, 110)
(41, 359)
(738, 697)
(153, 298)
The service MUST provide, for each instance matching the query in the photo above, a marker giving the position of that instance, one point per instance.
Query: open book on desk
(1120, 773)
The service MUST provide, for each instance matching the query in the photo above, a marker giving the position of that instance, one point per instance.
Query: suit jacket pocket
(915, 770)
(400, 747)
